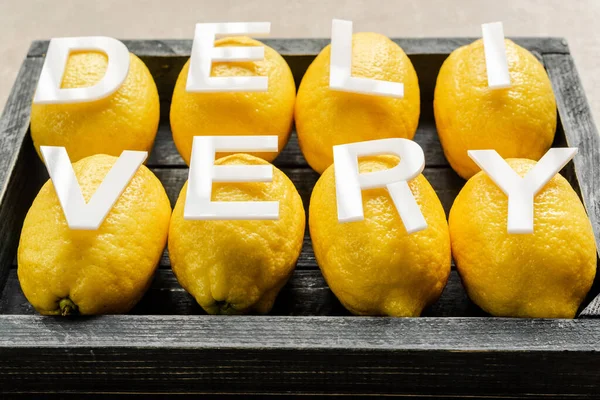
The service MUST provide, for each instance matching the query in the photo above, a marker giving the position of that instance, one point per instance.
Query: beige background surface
(22, 21)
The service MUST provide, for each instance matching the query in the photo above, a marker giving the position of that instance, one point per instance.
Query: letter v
(89, 216)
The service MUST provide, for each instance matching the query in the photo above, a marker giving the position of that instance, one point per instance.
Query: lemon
(125, 120)
(104, 271)
(325, 118)
(545, 274)
(373, 266)
(236, 113)
(238, 266)
(517, 122)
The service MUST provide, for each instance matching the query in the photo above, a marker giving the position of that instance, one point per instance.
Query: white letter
(495, 55)
(520, 191)
(349, 182)
(49, 89)
(203, 173)
(341, 67)
(204, 53)
(89, 216)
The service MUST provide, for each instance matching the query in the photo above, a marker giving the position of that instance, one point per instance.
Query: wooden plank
(14, 121)
(165, 154)
(298, 47)
(306, 294)
(580, 131)
(173, 180)
(445, 181)
(16, 176)
(305, 371)
(205, 354)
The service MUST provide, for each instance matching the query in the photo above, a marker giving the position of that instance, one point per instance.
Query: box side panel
(580, 131)
(178, 47)
(427, 356)
(17, 177)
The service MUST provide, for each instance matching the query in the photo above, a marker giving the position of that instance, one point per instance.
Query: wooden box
(309, 343)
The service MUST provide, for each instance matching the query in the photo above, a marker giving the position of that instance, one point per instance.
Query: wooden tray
(309, 344)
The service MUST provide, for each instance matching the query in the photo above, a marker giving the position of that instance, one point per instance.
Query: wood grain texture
(17, 179)
(311, 47)
(376, 333)
(580, 131)
(333, 355)
(445, 181)
(165, 154)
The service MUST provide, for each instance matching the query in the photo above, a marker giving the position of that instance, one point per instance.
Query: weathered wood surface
(165, 154)
(303, 332)
(580, 131)
(200, 354)
(311, 47)
(17, 179)
(445, 181)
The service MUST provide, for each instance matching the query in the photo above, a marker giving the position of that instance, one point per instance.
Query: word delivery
(203, 172)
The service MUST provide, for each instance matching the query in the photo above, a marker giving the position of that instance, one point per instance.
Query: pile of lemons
(373, 266)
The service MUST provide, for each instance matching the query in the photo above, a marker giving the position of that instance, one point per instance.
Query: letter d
(49, 89)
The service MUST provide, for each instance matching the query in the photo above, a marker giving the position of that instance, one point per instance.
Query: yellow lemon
(238, 266)
(104, 271)
(545, 274)
(325, 118)
(517, 122)
(236, 113)
(125, 120)
(373, 266)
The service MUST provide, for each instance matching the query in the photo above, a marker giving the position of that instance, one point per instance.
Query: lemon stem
(67, 307)
(224, 307)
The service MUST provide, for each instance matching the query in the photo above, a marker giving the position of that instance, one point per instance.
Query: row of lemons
(374, 267)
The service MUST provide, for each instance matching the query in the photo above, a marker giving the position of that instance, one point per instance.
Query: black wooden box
(309, 343)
